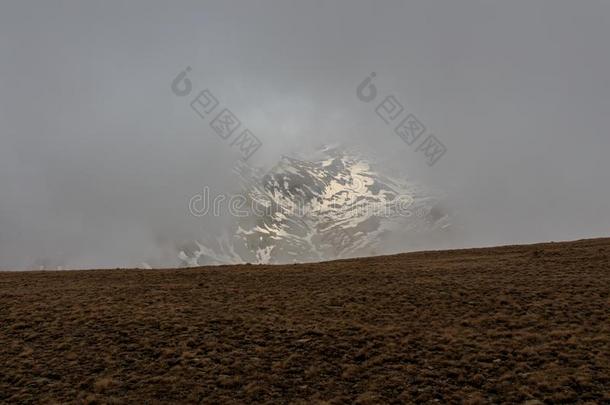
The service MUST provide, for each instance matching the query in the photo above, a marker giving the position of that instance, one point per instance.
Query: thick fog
(99, 156)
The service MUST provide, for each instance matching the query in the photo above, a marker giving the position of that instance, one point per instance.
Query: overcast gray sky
(98, 157)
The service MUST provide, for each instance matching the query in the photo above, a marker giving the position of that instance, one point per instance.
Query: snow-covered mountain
(331, 204)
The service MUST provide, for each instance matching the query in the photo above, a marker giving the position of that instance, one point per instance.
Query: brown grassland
(515, 324)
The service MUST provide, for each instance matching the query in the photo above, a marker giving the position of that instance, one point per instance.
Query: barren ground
(498, 325)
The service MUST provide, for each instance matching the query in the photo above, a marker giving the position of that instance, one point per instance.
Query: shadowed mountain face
(330, 204)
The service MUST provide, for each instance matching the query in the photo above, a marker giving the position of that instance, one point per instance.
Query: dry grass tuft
(517, 324)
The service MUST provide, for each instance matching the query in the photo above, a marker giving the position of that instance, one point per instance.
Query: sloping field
(496, 325)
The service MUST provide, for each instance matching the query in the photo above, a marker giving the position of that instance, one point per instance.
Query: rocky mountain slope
(331, 204)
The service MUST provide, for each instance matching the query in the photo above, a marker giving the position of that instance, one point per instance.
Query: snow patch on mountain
(331, 204)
